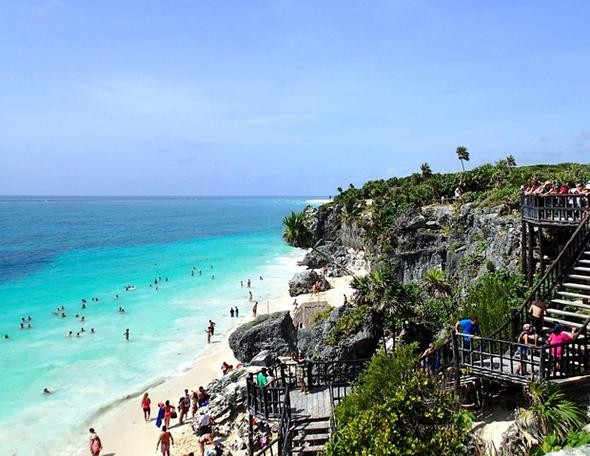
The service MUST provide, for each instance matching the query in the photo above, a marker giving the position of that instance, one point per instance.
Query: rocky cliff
(463, 241)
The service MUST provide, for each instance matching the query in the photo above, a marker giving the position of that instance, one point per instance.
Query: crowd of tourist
(556, 188)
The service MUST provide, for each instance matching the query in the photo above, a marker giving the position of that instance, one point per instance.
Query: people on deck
(165, 441)
(469, 327)
(557, 336)
(526, 337)
(300, 370)
(261, 379)
(146, 406)
(537, 311)
(95, 444)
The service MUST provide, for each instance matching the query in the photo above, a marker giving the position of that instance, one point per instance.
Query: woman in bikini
(146, 407)
(168, 411)
(95, 443)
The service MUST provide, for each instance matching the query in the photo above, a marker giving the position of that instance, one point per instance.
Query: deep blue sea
(58, 251)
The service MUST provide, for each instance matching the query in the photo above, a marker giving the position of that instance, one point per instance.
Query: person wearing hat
(525, 338)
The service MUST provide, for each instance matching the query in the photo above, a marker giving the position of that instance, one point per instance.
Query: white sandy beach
(123, 429)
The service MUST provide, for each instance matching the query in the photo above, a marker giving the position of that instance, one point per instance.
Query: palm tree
(462, 155)
(511, 161)
(426, 171)
(295, 230)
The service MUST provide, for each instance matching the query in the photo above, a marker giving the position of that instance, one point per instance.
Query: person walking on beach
(165, 441)
(237, 312)
(208, 331)
(248, 283)
(231, 312)
(255, 309)
(212, 326)
(146, 407)
(169, 410)
(95, 444)
(184, 406)
(249, 296)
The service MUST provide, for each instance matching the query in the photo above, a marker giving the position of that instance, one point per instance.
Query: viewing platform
(554, 209)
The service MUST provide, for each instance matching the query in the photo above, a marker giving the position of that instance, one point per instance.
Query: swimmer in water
(83, 318)
(92, 331)
(22, 326)
(6, 336)
(46, 391)
(77, 334)
(126, 334)
(82, 330)
(70, 334)
(116, 296)
(63, 315)
(29, 326)
(83, 306)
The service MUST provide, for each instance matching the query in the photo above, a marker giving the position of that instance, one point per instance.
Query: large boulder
(319, 344)
(303, 282)
(264, 358)
(274, 332)
(325, 255)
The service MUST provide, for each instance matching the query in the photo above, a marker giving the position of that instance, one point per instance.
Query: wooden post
(250, 435)
(523, 248)
(531, 259)
(541, 260)
(456, 364)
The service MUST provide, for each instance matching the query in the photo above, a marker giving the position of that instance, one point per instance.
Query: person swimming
(46, 391)
(126, 334)
(83, 306)
(63, 315)
(70, 334)
(6, 336)
(92, 331)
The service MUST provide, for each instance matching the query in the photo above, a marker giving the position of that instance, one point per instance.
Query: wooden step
(564, 322)
(570, 294)
(579, 277)
(308, 449)
(300, 438)
(577, 286)
(312, 426)
(584, 261)
(565, 302)
(565, 313)
(581, 269)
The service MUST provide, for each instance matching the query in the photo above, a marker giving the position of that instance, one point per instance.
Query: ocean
(58, 251)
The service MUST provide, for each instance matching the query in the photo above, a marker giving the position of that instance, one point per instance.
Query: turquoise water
(57, 251)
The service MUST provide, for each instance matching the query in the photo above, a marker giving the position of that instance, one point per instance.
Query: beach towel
(160, 417)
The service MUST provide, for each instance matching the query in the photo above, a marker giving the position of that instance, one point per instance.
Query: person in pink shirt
(557, 336)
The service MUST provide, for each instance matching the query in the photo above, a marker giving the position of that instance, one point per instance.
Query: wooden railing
(552, 278)
(506, 360)
(554, 209)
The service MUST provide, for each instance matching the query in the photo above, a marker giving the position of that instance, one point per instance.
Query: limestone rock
(274, 332)
(302, 282)
(263, 358)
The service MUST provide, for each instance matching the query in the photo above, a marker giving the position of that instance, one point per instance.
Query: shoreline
(122, 428)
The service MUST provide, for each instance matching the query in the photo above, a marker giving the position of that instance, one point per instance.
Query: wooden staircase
(309, 436)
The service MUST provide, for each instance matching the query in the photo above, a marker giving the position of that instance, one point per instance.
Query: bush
(397, 410)
(347, 324)
(321, 316)
(492, 297)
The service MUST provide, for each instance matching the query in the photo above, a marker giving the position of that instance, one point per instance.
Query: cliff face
(465, 242)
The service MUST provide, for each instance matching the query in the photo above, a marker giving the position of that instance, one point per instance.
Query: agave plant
(437, 284)
(556, 413)
(295, 230)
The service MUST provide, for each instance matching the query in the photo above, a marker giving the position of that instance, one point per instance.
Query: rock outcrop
(274, 332)
(318, 344)
(303, 282)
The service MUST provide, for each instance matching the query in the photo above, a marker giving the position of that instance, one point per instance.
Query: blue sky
(282, 97)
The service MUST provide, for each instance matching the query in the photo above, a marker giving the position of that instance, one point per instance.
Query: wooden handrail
(557, 269)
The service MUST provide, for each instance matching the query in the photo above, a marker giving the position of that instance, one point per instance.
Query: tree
(510, 161)
(426, 171)
(295, 231)
(436, 283)
(463, 155)
(397, 410)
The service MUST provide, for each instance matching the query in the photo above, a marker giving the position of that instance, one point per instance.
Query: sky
(282, 97)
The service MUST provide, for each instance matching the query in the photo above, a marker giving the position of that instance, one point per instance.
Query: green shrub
(397, 410)
(321, 316)
(347, 324)
(295, 231)
(492, 297)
